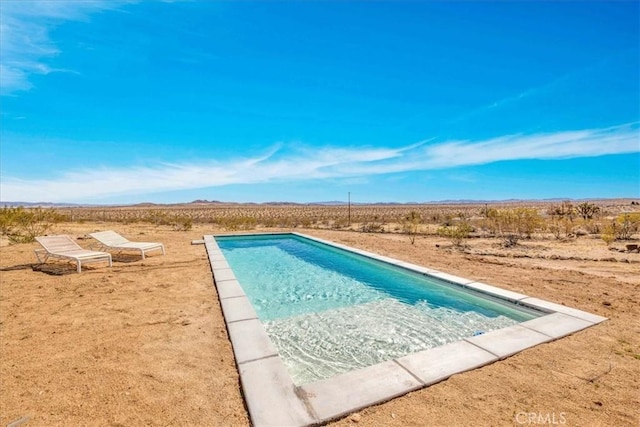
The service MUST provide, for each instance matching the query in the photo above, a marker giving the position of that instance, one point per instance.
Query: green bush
(458, 234)
(239, 223)
(411, 225)
(22, 225)
(181, 222)
(520, 222)
(561, 226)
(622, 227)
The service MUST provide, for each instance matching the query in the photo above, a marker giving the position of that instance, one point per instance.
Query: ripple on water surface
(329, 311)
(319, 345)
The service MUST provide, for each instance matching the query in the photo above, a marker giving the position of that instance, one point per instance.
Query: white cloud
(24, 36)
(326, 163)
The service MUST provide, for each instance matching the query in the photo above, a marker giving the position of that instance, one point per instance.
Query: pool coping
(273, 399)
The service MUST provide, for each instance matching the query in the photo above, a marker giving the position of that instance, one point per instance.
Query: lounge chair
(65, 247)
(114, 241)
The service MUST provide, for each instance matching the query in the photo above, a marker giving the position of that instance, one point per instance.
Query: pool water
(329, 310)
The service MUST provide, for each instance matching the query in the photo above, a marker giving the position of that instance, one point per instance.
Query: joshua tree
(587, 210)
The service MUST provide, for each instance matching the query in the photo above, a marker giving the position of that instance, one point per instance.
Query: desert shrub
(566, 209)
(270, 222)
(609, 233)
(306, 222)
(555, 228)
(7, 220)
(634, 222)
(621, 228)
(238, 223)
(561, 226)
(287, 222)
(457, 234)
(528, 221)
(491, 221)
(463, 216)
(340, 223)
(592, 226)
(181, 222)
(486, 211)
(447, 220)
(155, 217)
(22, 225)
(411, 225)
(371, 227)
(512, 224)
(518, 221)
(248, 223)
(627, 224)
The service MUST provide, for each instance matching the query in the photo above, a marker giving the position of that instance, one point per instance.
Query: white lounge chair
(114, 241)
(65, 247)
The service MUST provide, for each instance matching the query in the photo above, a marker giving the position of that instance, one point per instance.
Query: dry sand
(144, 342)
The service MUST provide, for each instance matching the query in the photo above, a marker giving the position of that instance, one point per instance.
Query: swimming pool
(273, 398)
(329, 310)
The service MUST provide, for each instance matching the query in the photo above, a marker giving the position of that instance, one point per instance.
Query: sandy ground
(144, 342)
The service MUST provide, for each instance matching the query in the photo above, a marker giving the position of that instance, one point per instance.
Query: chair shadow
(52, 269)
(18, 267)
(126, 258)
(57, 269)
(60, 268)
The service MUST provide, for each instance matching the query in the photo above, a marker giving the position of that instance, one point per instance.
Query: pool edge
(272, 398)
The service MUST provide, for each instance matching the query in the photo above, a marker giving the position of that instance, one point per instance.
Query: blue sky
(126, 102)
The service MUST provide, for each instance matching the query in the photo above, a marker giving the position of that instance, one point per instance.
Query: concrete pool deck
(273, 399)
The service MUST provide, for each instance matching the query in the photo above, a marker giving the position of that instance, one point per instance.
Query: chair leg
(41, 260)
(79, 266)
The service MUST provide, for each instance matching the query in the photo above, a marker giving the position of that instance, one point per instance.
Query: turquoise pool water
(329, 310)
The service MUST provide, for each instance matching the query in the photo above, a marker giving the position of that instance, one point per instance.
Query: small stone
(607, 303)
(355, 418)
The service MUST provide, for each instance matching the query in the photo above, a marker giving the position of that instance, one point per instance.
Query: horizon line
(5, 204)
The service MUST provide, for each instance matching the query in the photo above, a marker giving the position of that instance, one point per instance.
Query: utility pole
(349, 209)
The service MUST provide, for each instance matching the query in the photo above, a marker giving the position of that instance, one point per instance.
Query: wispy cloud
(25, 43)
(579, 79)
(283, 164)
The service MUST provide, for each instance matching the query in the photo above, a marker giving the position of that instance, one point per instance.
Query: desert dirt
(145, 343)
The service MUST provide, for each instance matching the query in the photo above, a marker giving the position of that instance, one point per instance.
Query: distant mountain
(325, 203)
(281, 204)
(205, 202)
(341, 203)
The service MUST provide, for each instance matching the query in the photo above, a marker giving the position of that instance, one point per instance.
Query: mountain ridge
(200, 202)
